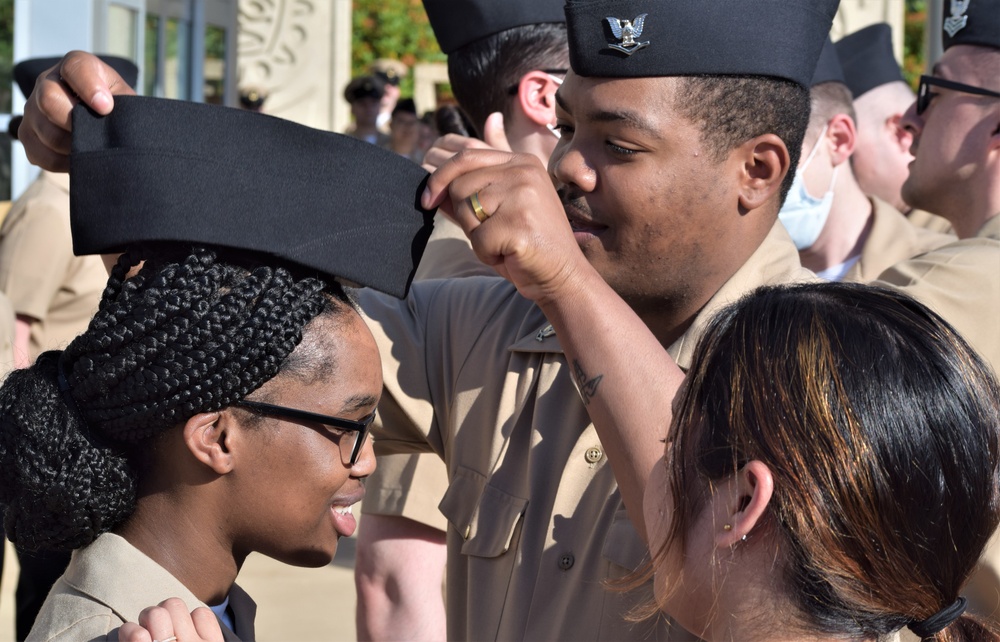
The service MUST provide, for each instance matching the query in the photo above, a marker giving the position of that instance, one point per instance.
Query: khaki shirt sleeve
(408, 486)
(449, 254)
(425, 341)
(35, 254)
(961, 282)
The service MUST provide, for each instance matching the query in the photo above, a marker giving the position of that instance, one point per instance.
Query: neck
(180, 532)
(846, 229)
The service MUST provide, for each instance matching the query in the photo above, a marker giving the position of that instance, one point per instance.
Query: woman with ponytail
(832, 471)
(213, 408)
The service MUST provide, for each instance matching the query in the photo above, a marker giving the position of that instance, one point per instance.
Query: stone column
(299, 52)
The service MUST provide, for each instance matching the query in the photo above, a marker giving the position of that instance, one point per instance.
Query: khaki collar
(775, 261)
(97, 571)
(991, 229)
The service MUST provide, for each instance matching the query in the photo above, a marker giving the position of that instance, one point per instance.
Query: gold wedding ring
(477, 207)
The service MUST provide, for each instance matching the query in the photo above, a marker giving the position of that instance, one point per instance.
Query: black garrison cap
(972, 22)
(828, 66)
(166, 170)
(364, 87)
(636, 38)
(456, 23)
(867, 59)
(26, 72)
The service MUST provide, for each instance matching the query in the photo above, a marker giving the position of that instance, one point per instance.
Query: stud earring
(727, 527)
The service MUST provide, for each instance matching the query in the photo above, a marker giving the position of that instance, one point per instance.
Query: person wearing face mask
(841, 233)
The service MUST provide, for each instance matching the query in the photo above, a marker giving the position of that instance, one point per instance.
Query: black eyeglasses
(924, 93)
(360, 429)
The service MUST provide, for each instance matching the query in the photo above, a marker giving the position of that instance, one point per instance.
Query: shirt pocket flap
(623, 546)
(485, 516)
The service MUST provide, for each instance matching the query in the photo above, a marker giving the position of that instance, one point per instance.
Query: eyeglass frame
(362, 428)
(924, 94)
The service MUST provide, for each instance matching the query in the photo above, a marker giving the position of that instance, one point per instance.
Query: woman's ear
(206, 435)
(765, 162)
(743, 503)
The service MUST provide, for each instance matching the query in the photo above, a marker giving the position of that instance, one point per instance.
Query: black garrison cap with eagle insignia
(158, 170)
(457, 23)
(971, 22)
(638, 38)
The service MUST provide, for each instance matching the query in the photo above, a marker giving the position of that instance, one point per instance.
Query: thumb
(494, 133)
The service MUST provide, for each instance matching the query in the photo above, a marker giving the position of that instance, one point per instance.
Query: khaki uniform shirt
(6, 336)
(109, 583)
(892, 239)
(928, 221)
(38, 271)
(474, 372)
(412, 486)
(961, 282)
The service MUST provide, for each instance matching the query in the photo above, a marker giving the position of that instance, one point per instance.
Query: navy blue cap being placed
(27, 71)
(166, 170)
(636, 38)
(828, 66)
(457, 23)
(867, 59)
(971, 22)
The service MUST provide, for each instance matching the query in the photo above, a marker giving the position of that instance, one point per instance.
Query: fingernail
(425, 200)
(102, 102)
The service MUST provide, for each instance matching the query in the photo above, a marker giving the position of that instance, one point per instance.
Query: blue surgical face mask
(803, 215)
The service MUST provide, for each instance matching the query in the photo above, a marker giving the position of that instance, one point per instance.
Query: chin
(309, 558)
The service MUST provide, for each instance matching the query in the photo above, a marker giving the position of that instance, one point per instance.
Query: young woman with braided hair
(215, 406)
(832, 471)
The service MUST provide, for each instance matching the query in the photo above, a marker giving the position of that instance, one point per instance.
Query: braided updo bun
(192, 332)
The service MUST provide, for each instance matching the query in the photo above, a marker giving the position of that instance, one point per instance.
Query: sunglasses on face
(335, 425)
(924, 93)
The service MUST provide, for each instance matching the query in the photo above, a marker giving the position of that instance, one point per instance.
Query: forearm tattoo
(586, 384)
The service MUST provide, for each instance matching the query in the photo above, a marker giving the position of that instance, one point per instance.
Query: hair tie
(941, 620)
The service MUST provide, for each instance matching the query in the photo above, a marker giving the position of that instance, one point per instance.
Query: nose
(365, 465)
(911, 122)
(568, 166)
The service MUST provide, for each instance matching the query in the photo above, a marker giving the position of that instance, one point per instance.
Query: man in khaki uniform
(674, 213)
(53, 292)
(843, 234)
(882, 152)
(474, 369)
(520, 46)
(955, 124)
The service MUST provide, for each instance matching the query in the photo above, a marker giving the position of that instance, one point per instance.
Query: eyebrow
(631, 119)
(360, 401)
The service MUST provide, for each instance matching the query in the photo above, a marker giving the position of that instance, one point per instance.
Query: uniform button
(468, 531)
(593, 455)
(566, 561)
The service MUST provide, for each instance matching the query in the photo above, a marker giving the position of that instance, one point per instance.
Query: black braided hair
(192, 332)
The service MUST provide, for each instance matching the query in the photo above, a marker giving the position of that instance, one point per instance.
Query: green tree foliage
(914, 26)
(396, 29)
(6, 52)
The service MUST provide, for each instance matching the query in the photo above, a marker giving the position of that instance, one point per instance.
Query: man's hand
(45, 130)
(525, 235)
(171, 621)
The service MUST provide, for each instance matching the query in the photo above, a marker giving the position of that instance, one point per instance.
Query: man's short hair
(483, 72)
(731, 110)
(829, 99)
